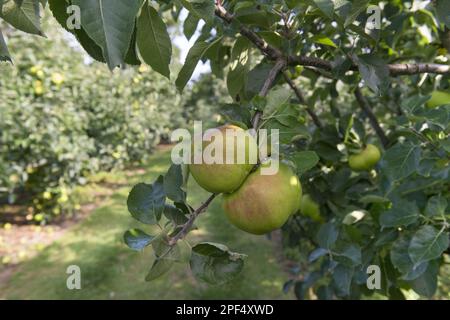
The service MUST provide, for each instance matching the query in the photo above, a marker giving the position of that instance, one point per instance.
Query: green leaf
(236, 113)
(131, 58)
(401, 160)
(439, 116)
(240, 5)
(278, 97)
(202, 9)
(386, 236)
(301, 287)
(153, 40)
(59, 11)
(184, 207)
(361, 31)
(349, 255)
(287, 286)
(316, 254)
(402, 213)
(426, 284)
(443, 12)
(374, 71)
(159, 267)
(146, 202)
(428, 244)
(175, 215)
(163, 250)
(326, 6)
(402, 261)
(272, 38)
(436, 206)
(372, 198)
(218, 56)
(358, 6)
(195, 54)
(173, 182)
(395, 294)
(239, 65)
(261, 18)
(342, 278)
(110, 24)
(190, 25)
(4, 53)
(321, 39)
(286, 132)
(327, 151)
(137, 239)
(327, 235)
(286, 114)
(256, 78)
(325, 292)
(340, 65)
(413, 104)
(299, 290)
(214, 263)
(304, 160)
(22, 15)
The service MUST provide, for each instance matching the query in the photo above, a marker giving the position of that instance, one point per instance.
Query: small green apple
(438, 98)
(38, 88)
(264, 202)
(57, 78)
(295, 73)
(310, 208)
(366, 159)
(223, 177)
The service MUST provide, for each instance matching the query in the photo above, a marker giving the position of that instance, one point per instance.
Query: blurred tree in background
(64, 116)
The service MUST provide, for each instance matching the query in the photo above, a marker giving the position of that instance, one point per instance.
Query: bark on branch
(365, 106)
(273, 53)
(188, 225)
(277, 68)
(399, 69)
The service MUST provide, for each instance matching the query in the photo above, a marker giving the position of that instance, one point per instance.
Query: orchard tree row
(359, 91)
(66, 120)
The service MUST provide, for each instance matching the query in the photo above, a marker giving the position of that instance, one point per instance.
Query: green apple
(38, 88)
(222, 177)
(438, 98)
(298, 71)
(57, 78)
(366, 159)
(294, 73)
(264, 202)
(310, 208)
(34, 70)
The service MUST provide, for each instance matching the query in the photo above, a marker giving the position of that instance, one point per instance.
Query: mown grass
(109, 270)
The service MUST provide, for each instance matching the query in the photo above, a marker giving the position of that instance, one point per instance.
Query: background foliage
(64, 117)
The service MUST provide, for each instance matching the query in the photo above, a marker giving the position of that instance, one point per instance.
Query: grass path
(109, 270)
